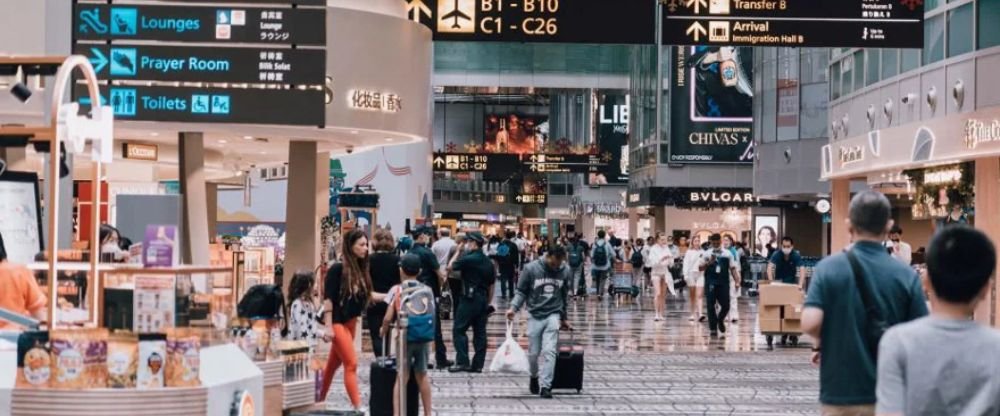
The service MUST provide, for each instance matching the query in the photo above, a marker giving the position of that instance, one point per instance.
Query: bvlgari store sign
(960, 137)
(692, 197)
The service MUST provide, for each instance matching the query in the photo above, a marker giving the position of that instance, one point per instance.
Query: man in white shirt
(661, 257)
(899, 249)
(443, 247)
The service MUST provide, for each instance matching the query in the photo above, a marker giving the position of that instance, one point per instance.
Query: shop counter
(226, 374)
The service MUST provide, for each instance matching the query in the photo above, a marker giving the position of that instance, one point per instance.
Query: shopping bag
(510, 357)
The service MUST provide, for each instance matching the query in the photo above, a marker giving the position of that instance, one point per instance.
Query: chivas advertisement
(712, 105)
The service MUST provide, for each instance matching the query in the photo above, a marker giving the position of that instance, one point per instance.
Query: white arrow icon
(415, 8)
(696, 30)
(697, 5)
(99, 61)
(438, 162)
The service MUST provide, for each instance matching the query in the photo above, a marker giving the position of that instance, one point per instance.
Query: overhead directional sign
(299, 2)
(531, 199)
(795, 23)
(206, 64)
(212, 105)
(306, 27)
(567, 21)
(511, 163)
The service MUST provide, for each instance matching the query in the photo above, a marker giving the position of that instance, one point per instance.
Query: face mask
(787, 251)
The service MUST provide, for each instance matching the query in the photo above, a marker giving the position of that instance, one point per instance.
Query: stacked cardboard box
(780, 308)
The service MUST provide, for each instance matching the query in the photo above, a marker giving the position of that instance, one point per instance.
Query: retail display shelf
(299, 394)
(110, 402)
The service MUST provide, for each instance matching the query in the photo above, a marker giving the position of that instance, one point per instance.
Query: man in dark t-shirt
(784, 264)
(431, 275)
(507, 260)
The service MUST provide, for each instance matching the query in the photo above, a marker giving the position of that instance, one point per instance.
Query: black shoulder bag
(875, 324)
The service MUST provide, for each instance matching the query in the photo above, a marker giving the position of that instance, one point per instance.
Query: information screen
(567, 21)
(21, 222)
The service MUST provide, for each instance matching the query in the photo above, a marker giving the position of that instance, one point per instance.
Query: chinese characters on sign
(374, 101)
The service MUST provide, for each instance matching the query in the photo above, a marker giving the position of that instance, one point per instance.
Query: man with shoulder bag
(853, 299)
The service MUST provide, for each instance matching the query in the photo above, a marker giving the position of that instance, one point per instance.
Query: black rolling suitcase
(569, 366)
(383, 378)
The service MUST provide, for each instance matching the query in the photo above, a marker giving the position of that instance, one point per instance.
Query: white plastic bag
(510, 357)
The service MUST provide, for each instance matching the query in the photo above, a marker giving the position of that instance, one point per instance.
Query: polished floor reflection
(635, 365)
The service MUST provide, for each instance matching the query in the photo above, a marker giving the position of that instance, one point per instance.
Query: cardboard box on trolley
(780, 294)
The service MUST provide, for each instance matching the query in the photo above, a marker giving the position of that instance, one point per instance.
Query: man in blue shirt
(785, 264)
(835, 315)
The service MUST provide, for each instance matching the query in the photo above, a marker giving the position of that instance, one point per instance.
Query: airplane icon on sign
(456, 14)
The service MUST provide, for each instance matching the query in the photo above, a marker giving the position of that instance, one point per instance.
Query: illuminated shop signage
(200, 24)
(206, 64)
(567, 21)
(510, 163)
(795, 23)
(634, 197)
(370, 100)
(851, 154)
(948, 176)
(978, 132)
(135, 151)
(699, 197)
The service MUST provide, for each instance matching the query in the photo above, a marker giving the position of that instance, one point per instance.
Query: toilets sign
(299, 26)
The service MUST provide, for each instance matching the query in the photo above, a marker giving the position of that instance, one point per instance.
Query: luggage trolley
(758, 265)
(623, 285)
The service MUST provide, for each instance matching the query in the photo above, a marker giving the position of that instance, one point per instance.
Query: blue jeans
(543, 337)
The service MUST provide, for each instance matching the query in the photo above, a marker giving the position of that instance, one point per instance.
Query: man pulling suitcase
(544, 288)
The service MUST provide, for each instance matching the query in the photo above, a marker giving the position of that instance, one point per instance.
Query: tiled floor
(637, 366)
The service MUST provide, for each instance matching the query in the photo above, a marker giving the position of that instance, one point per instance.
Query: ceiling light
(154, 134)
(247, 137)
(223, 141)
(21, 91)
(389, 139)
(263, 152)
(354, 132)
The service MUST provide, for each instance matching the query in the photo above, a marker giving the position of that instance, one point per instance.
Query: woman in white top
(661, 258)
(695, 278)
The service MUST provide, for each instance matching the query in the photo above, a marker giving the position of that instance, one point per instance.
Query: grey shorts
(418, 356)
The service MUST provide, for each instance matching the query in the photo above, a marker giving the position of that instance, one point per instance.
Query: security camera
(350, 149)
(909, 99)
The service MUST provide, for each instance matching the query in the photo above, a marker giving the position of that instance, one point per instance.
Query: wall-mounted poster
(612, 140)
(514, 133)
(21, 221)
(712, 105)
(765, 235)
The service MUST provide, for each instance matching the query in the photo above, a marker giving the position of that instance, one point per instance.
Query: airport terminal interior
(499, 207)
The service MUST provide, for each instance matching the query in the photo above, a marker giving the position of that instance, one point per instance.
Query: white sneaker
(691, 318)
(656, 318)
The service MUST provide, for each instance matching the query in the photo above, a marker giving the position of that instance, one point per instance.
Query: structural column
(987, 205)
(633, 223)
(194, 201)
(660, 220)
(302, 228)
(840, 202)
(212, 200)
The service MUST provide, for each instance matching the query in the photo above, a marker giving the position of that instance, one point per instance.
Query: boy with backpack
(602, 255)
(416, 301)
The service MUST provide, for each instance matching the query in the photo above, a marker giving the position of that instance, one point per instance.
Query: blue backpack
(417, 302)
(503, 250)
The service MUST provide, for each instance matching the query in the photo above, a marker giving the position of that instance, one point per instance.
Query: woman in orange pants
(348, 291)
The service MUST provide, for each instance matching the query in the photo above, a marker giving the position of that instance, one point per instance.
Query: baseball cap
(410, 263)
(476, 236)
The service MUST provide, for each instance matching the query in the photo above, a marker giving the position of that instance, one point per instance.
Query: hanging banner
(712, 105)
(612, 140)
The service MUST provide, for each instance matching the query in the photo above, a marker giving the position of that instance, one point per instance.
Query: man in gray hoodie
(544, 285)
